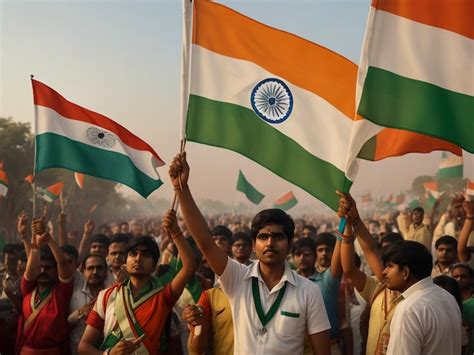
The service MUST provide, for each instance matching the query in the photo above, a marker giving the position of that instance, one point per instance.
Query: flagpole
(185, 78)
(34, 144)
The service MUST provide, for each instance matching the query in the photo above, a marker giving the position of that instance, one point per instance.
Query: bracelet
(339, 236)
(470, 218)
(349, 240)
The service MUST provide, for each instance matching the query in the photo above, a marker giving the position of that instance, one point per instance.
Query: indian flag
(286, 202)
(244, 186)
(75, 138)
(3, 183)
(274, 97)
(450, 166)
(53, 192)
(416, 71)
(432, 193)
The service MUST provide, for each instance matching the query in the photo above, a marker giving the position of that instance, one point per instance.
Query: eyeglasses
(276, 236)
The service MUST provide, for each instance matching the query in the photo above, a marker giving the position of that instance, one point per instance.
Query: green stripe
(247, 188)
(55, 151)
(287, 205)
(368, 149)
(50, 195)
(239, 129)
(449, 173)
(394, 101)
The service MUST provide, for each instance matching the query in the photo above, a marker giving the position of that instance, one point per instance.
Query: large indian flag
(75, 138)
(276, 98)
(416, 71)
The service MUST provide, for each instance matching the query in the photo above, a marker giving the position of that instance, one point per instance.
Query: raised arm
(22, 228)
(367, 243)
(62, 229)
(84, 245)
(464, 253)
(197, 225)
(170, 224)
(38, 238)
(336, 267)
(347, 249)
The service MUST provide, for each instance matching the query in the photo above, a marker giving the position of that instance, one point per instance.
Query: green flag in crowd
(251, 192)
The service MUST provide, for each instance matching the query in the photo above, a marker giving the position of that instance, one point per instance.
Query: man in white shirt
(273, 308)
(427, 320)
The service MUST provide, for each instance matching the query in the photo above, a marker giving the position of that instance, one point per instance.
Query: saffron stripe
(227, 32)
(450, 15)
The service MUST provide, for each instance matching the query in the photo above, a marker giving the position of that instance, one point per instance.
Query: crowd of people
(227, 284)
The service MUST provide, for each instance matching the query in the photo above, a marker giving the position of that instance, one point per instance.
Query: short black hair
(419, 209)
(100, 238)
(325, 239)
(411, 254)
(465, 266)
(223, 231)
(310, 227)
(149, 243)
(447, 240)
(391, 237)
(22, 256)
(121, 238)
(10, 248)
(47, 255)
(242, 236)
(450, 285)
(304, 243)
(93, 255)
(70, 250)
(273, 216)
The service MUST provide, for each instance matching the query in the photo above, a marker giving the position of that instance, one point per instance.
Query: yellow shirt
(420, 234)
(215, 304)
(380, 315)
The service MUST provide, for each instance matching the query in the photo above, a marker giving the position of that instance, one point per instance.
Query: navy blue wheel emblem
(272, 100)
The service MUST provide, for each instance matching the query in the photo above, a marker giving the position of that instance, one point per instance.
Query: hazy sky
(122, 59)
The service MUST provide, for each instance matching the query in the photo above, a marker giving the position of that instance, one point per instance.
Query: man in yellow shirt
(417, 230)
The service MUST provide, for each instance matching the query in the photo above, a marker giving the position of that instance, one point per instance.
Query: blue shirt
(329, 286)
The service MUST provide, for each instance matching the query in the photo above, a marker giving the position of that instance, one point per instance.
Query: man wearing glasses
(272, 306)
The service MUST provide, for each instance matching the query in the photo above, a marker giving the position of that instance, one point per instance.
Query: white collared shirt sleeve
(317, 318)
(232, 277)
(406, 331)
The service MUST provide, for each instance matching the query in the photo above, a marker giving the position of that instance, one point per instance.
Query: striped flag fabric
(29, 179)
(470, 189)
(3, 181)
(286, 201)
(53, 192)
(79, 178)
(450, 166)
(276, 98)
(244, 186)
(416, 68)
(391, 142)
(432, 193)
(72, 137)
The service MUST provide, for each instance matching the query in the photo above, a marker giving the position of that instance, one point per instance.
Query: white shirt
(426, 321)
(80, 297)
(301, 310)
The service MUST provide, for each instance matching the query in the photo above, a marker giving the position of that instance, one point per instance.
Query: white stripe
(3, 190)
(450, 162)
(468, 159)
(314, 124)
(426, 53)
(49, 121)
